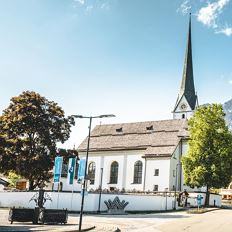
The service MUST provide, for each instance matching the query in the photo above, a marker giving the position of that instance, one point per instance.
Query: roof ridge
(127, 123)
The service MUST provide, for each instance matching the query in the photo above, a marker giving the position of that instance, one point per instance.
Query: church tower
(187, 101)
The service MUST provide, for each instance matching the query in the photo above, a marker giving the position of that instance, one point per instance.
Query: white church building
(144, 156)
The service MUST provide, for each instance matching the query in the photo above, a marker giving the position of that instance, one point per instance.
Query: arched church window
(91, 172)
(138, 168)
(114, 173)
(183, 115)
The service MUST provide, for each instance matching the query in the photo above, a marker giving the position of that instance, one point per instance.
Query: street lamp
(175, 186)
(100, 188)
(87, 155)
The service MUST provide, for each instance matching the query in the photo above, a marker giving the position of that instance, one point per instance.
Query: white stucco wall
(131, 159)
(173, 179)
(162, 180)
(126, 161)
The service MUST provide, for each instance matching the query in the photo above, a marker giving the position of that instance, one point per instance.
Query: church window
(138, 168)
(91, 172)
(64, 170)
(156, 188)
(76, 171)
(156, 172)
(183, 115)
(114, 173)
(174, 173)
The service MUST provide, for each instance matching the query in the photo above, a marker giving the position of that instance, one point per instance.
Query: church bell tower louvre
(187, 100)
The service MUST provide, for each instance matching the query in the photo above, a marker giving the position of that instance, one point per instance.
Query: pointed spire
(187, 84)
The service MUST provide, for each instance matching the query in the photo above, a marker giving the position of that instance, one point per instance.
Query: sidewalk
(72, 224)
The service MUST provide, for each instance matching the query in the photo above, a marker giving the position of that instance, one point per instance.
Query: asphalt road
(179, 221)
(214, 221)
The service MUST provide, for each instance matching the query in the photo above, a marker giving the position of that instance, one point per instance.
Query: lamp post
(86, 162)
(100, 188)
(175, 186)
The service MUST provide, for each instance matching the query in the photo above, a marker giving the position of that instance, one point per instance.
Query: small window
(149, 127)
(76, 171)
(64, 170)
(156, 173)
(119, 129)
(183, 115)
(156, 188)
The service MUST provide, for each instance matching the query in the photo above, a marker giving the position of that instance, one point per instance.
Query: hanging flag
(58, 169)
(81, 170)
(71, 170)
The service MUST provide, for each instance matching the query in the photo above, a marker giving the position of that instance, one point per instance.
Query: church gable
(182, 105)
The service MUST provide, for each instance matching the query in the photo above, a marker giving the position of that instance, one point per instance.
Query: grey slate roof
(154, 137)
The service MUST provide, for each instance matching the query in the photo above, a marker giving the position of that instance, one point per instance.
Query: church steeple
(187, 98)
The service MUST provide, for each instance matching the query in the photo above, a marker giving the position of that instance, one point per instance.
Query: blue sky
(114, 56)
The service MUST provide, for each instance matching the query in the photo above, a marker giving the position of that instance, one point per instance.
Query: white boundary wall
(64, 200)
(214, 199)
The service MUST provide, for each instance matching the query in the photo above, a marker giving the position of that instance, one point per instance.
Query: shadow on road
(143, 216)
(14, 228)
(28, 227)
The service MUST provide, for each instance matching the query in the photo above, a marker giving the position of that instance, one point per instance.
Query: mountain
(227, 107)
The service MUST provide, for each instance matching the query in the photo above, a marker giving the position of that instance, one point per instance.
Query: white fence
(73, 202)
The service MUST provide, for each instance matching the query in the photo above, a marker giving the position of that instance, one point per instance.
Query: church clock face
(183, 106)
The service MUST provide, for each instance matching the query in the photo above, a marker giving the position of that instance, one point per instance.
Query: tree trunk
(31, 185)
(207, 196)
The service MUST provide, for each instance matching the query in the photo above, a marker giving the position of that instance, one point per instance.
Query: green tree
(209, 158)
(29, 130)
(13, 178)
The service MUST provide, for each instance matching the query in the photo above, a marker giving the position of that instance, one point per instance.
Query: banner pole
(59, 170)
(58, 196)
(73, 181)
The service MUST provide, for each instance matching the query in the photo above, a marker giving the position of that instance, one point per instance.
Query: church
(144, 156)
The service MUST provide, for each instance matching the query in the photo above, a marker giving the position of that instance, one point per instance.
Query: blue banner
(71, 170)
(58, 169)
(81, 169)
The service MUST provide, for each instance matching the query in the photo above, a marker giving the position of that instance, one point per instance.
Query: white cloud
(209, 14)
(184, 7)
(226, 31)
(82, 2)
(105, 5)
(230, 82)
(90, 5)
(89, 8)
